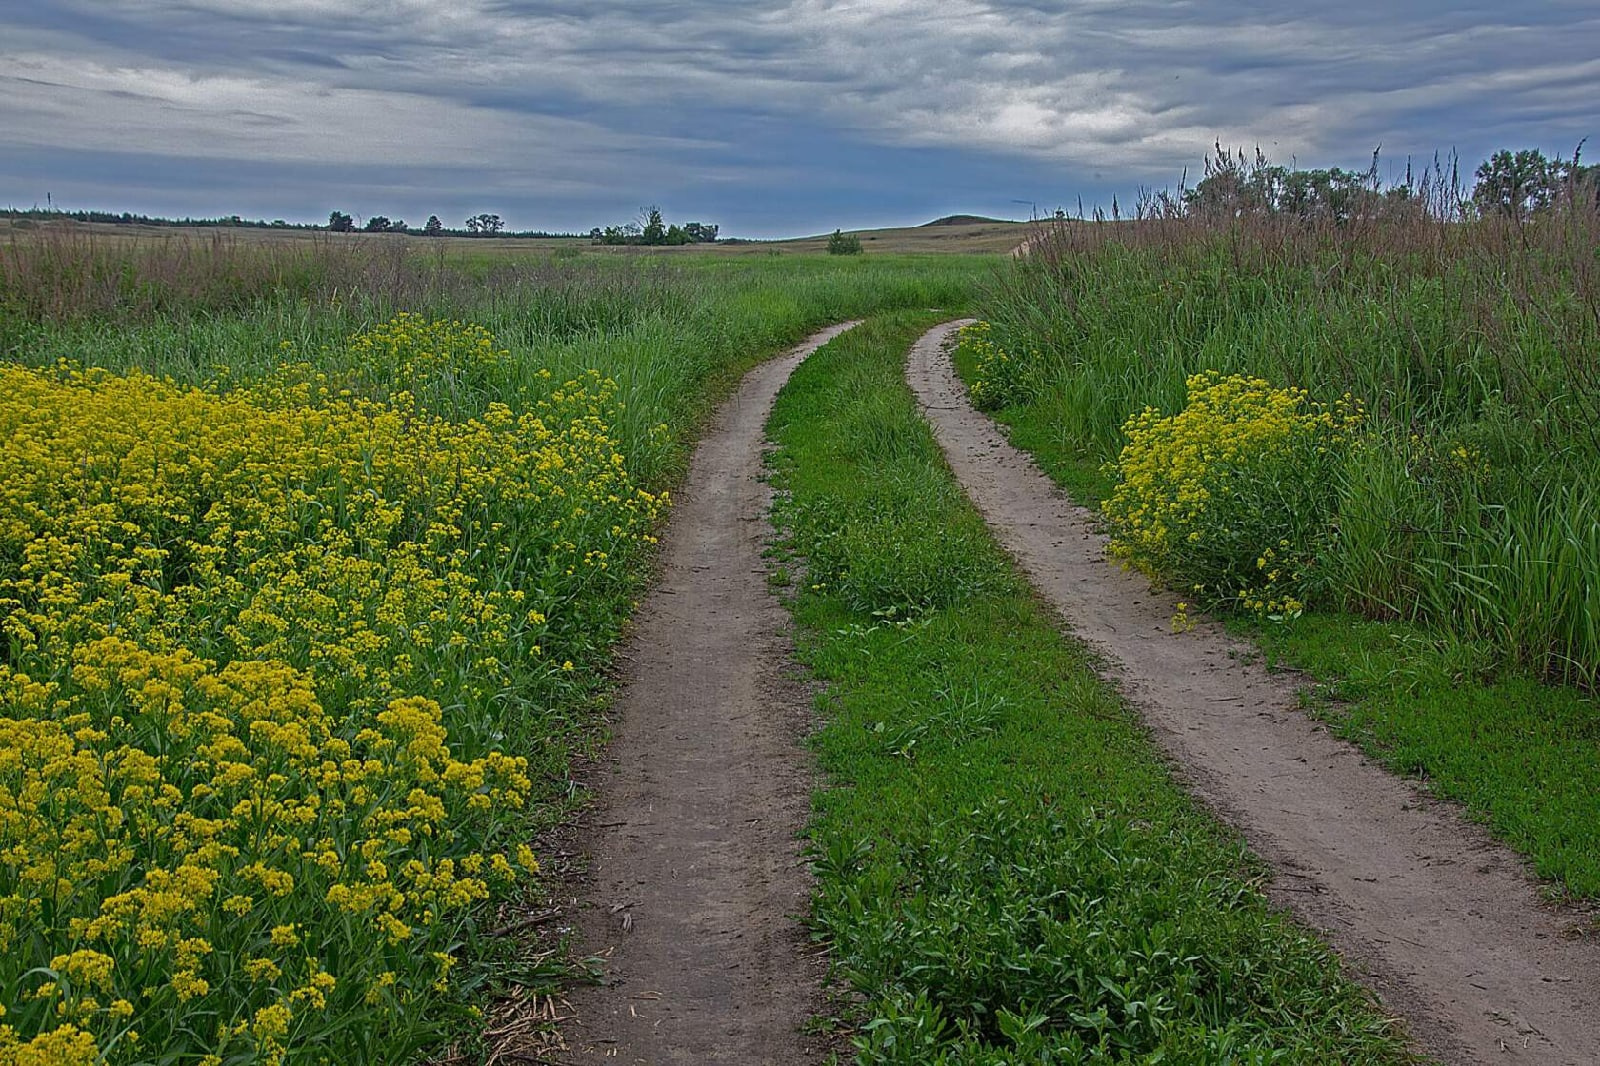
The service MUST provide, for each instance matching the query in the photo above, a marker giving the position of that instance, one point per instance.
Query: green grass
(1007, 874)
(1520, 755)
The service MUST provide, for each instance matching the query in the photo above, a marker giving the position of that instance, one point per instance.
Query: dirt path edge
(695, 885)
(1441, 920)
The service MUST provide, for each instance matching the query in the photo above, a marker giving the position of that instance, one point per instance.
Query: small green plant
(841, 243)
(998, 380)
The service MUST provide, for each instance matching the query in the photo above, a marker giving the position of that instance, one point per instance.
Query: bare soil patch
(1442, 921)
(696, 884)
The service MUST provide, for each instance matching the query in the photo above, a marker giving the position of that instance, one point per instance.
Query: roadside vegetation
(311, 561)
(1364, 428)
(1007, 874)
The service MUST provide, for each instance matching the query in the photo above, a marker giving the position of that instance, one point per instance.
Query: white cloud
(61, 101)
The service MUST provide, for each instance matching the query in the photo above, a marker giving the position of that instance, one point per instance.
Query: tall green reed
(1474, 343)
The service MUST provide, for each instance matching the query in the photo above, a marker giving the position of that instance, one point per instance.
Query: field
(958, 235)
(311, 568)
(316, 554)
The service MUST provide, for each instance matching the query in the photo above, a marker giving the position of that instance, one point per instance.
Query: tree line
(652, 229)
(1516, 184)
(129, 218)
(482, 225)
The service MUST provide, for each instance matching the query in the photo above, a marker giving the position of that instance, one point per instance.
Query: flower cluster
(259, 652)
(1232, 498)
(998, 379)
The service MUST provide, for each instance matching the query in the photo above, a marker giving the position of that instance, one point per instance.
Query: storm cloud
(768, 117)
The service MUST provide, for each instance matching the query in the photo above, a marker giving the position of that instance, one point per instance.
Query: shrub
(998, 380)
(841, 243)
(1232, 498)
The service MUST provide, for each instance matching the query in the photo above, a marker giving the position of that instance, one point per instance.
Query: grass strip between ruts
(1006, 871)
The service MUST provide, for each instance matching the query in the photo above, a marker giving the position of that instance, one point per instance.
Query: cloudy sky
(770, 117)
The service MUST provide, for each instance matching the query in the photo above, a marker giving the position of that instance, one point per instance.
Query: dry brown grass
(979, 238)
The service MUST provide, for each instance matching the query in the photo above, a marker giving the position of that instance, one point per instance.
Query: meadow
(314, 555)
(312, 558)
(1371, 443)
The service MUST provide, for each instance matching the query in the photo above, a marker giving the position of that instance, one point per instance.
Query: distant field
(974, 237)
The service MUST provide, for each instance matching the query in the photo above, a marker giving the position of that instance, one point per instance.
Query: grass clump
(1006, 872)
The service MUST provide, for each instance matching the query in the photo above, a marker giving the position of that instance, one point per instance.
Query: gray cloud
(574, 95)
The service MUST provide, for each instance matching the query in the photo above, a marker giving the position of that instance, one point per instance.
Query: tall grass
(1471, 504)
(221, 309)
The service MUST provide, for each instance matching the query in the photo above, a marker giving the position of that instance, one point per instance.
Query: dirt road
(696, 880)
(1438, 918)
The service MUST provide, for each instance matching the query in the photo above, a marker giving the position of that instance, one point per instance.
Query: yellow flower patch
(1231, 498)
(255, 650)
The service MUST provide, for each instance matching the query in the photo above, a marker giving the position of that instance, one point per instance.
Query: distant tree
(484, 225)
(1585, 182)
(655, 230)
(1517, 184)
(842, 243)
(1237, 186)
(433, 228)
(377, 224)
(339, 222)
(675, 235)
(700, 233)
(398, 226)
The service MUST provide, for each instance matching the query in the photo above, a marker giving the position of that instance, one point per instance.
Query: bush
(998, 380)
(842, 243)
(1232, 498)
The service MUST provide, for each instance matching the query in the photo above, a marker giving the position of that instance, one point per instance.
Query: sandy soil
(1438, 918)
(696, 880)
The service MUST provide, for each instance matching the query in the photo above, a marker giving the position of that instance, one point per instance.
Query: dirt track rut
(1437, 917)
(696, 881)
